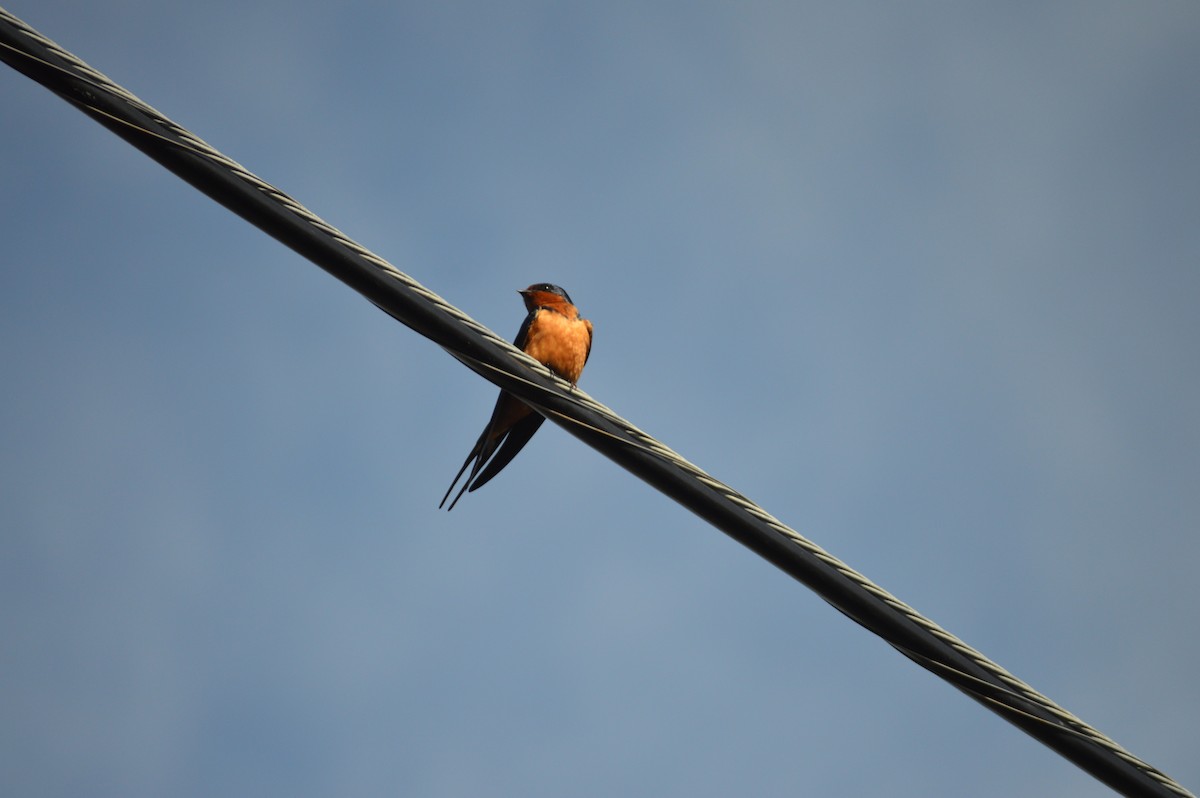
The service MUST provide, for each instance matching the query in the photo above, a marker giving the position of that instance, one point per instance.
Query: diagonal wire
(491, 356)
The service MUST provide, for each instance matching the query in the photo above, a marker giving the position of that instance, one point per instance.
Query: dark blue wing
(514, 442)
(505, 447)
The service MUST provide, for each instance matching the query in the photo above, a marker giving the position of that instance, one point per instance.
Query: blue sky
(919, 278)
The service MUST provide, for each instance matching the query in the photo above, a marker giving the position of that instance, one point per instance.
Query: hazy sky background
(920, 278)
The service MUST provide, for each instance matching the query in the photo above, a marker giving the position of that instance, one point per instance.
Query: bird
(553, 334)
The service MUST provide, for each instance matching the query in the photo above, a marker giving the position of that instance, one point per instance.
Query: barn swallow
(552, 334)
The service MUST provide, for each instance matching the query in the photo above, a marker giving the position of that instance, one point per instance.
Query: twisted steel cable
(491, 356)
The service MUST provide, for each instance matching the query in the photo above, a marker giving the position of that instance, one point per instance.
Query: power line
(495, 359)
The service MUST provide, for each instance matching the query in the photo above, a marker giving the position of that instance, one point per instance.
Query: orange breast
(559, 343)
